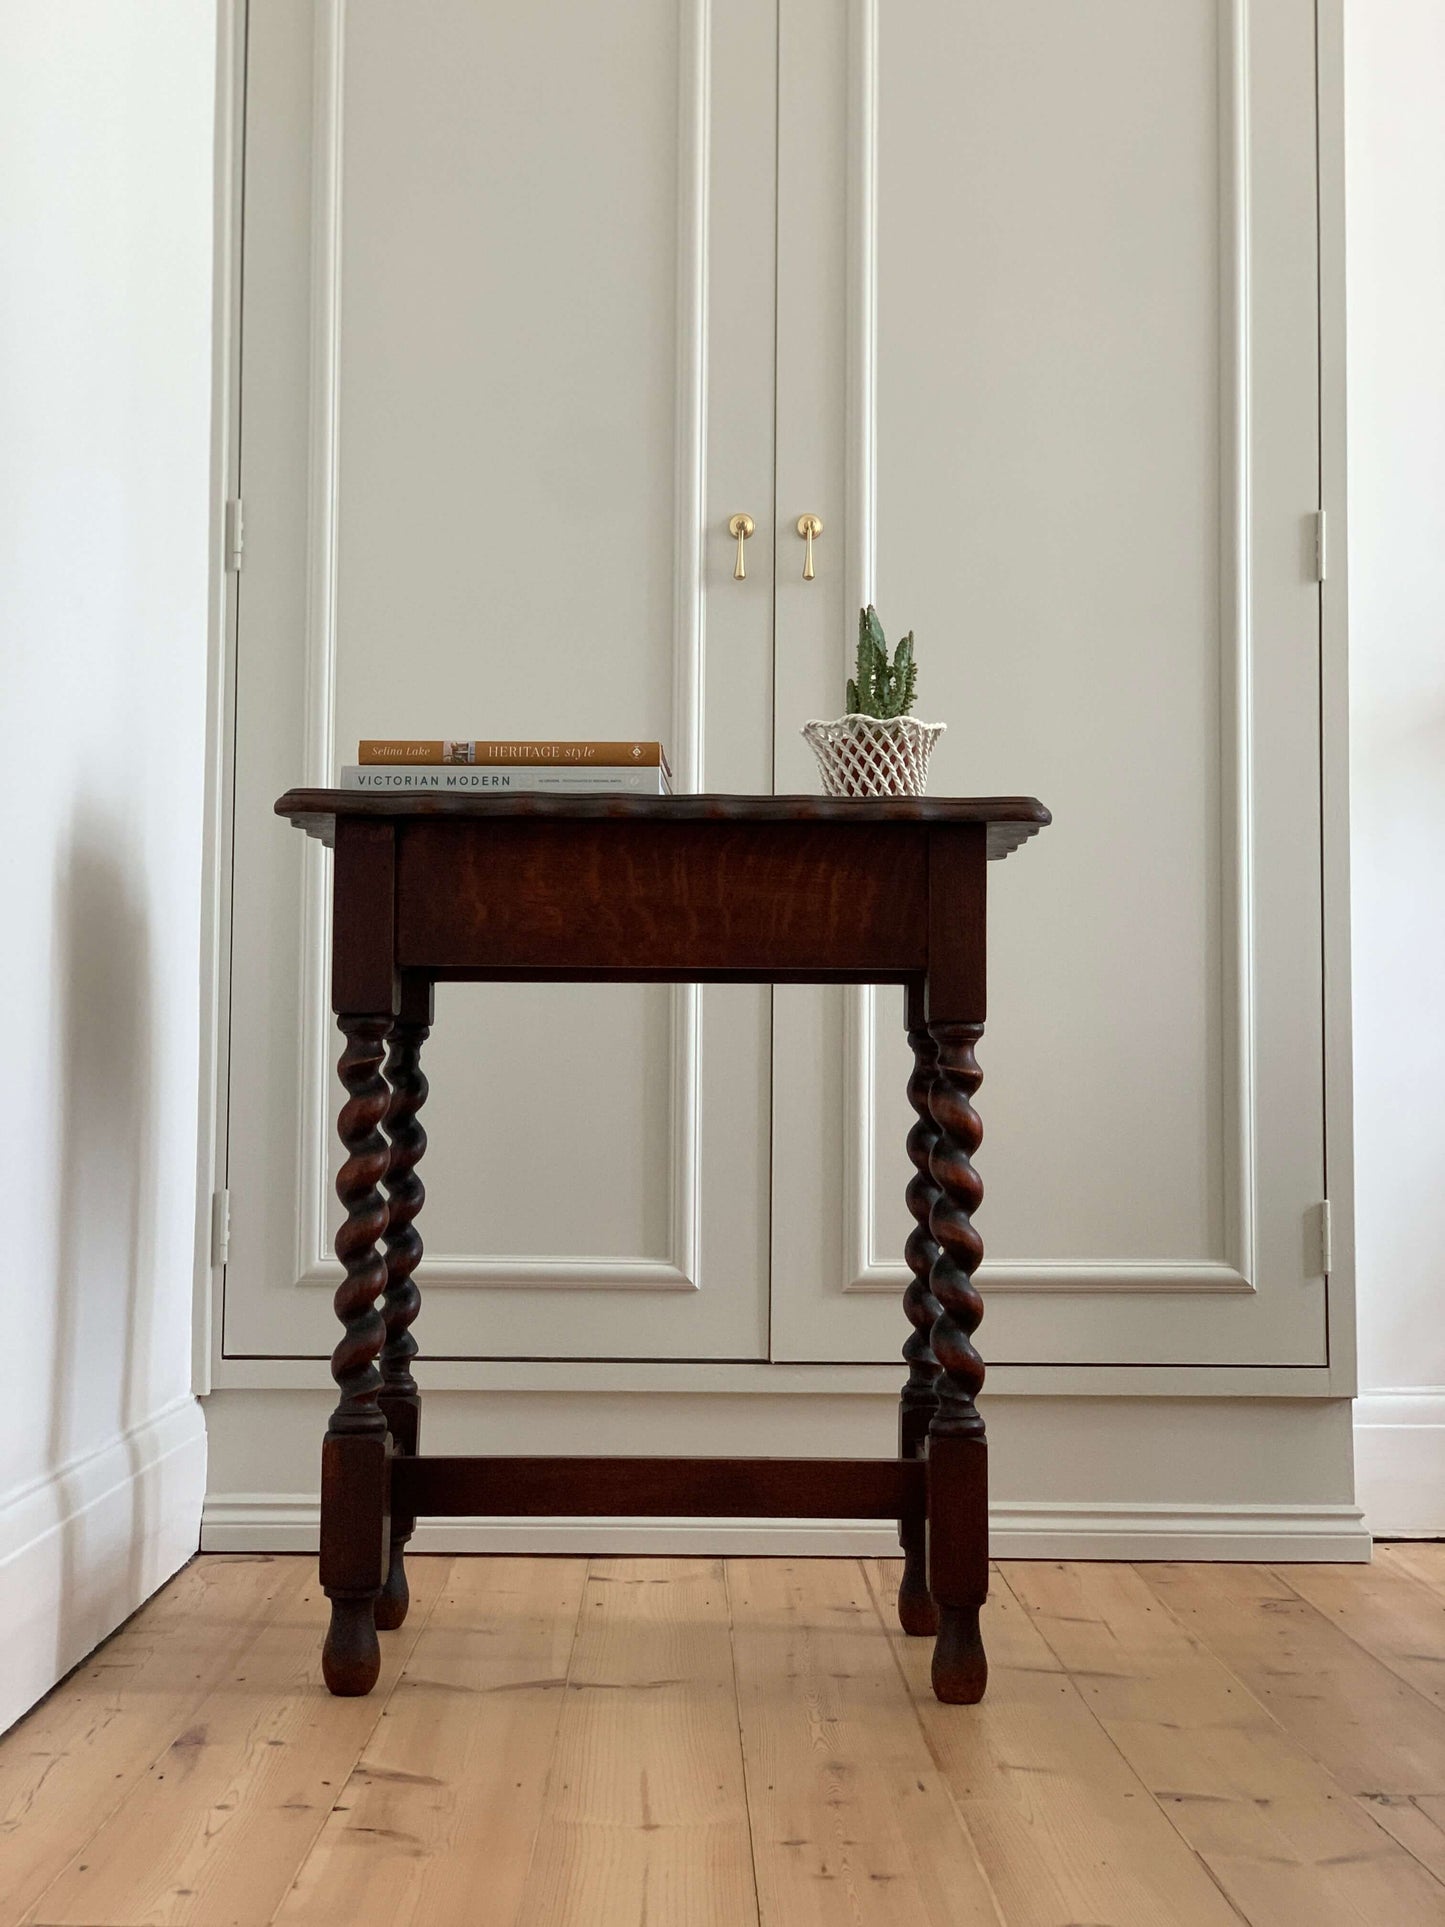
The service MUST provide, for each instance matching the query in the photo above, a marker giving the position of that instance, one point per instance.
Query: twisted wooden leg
(957, 1450)
(919, 1398)
(400, 1401)
(354, 1472)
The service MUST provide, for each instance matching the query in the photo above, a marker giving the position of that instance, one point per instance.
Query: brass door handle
(740, 527)
(809, 526)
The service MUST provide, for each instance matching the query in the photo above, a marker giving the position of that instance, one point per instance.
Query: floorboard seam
(31, 1917)
(1198, 1639)
(727, 1577)
(1148, 1792)
(546, 1792)
(276, 1595)
(1401, 1562)
(1281, 1573)
(872, 1583)
(370, 1734)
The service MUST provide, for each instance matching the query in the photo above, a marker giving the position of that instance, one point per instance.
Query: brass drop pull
(808, 527)
(740, 527)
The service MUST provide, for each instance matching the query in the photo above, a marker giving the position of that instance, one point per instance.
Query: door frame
(1336, 1379)
(215, 932)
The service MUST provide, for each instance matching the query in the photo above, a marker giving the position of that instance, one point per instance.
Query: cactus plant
(881, 688)
(877, 749)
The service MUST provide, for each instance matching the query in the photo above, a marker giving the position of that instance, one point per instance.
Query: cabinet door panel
(507, 368)
(1048, 370)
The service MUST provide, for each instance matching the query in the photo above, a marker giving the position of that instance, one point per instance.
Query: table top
(1011, 820)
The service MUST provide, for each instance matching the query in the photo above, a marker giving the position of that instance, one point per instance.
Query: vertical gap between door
(773, 634)
(231, 641)
(1320, 664)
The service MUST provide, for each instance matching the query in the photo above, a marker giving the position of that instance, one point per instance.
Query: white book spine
(462, 779)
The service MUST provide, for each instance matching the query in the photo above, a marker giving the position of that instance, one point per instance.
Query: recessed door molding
(1221, 1306)
(679, 1268)
(1235, 1270)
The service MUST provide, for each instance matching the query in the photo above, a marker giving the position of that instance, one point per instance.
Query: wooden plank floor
(700, 1743)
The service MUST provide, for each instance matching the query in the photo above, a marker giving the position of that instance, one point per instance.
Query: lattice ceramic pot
(873, 755)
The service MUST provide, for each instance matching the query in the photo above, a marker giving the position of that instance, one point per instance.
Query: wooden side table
(693, 889)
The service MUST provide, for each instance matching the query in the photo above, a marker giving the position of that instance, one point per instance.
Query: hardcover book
(461, 779)
(474, 751)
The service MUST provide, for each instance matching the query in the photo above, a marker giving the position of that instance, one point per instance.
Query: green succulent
(881, 688)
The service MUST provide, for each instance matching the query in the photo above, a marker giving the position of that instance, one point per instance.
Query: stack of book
(403, 766)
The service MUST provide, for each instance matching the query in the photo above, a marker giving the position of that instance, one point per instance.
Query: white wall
(1395, 211)
(106, 122)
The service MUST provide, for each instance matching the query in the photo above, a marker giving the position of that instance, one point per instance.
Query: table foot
(351, 1657)
(917, 1614)
(960, 1665)
(395, 1595)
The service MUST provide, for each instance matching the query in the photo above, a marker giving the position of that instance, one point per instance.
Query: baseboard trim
(287, 1522)
(91, 1541)
(1400, 1461)
(1125, 1530)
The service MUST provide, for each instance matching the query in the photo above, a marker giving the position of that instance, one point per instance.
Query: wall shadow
(106, 1186)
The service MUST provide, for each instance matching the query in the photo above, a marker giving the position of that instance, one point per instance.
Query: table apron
(663, 901)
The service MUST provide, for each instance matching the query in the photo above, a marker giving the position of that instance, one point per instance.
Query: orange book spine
(382, 749)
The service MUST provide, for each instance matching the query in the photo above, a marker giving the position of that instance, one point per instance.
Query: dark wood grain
(957, 919)
(680, 889)
(957, 1452)
(918, 1400)
(353, 1552)
(354, 1528)
(353, 1363)
(363, 951)
(661, 1487)
(1010, 820)
(740, 899)
(354, 1532)
(405, 1194)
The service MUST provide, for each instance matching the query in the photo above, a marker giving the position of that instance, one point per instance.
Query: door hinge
(1327, 1243)
(1319, 545)
(220, 1227)
(235, 534)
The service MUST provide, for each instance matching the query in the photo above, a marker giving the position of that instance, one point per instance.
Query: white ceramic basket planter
(872, 755)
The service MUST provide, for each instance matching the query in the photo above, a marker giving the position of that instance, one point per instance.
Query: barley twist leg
(354, 1475)
(957, 1450)
(400, 1400)
(919, 1398)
